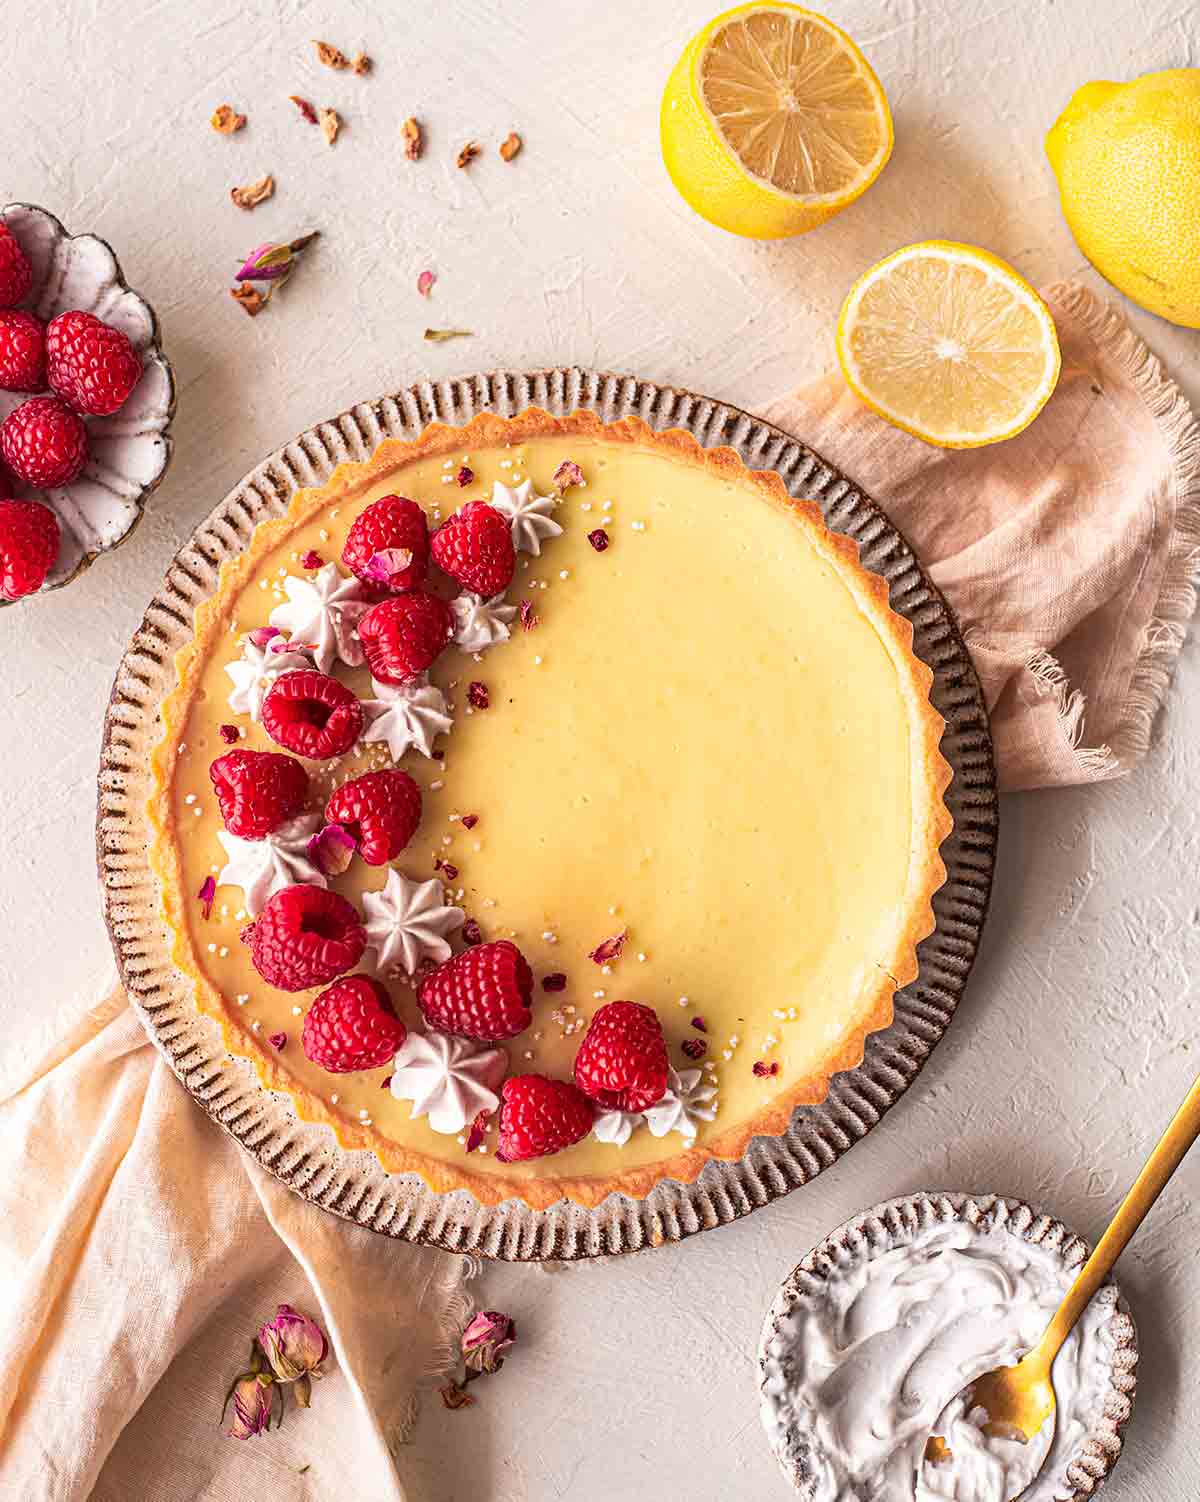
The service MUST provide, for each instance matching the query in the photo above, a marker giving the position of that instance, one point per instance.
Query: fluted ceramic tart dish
(691, 759)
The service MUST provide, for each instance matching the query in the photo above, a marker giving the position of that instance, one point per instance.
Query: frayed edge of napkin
(1176, 605)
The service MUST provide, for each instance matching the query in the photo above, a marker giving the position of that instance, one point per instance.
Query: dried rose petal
(387, 564)
(478, 1129)
(311, 559)
(282, 643)
(332, 849)
(385, 1083)
(555, 982)
(464, 477)
(330, 122)
(414, 142)
(510, 145)
(440, 336)
(448, 869)
(253, 194)
(262, 636)
(598, 539)
(610, 950)
(699, 1024)
(247, 933)
(695, 1048)
(468, 154)
(249, 298)
(305, 108)
(568, 473)
(456, 1397)
(469, 821)
(278, 1040)
(477, 695)
(207, 894)
(529, 616)
(425, 283)
(472, 934)
(226, 119)
(764, 1070)
(331, 56)
(360, 64)
(229, 734)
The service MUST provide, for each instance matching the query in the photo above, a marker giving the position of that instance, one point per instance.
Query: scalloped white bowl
(130, 451)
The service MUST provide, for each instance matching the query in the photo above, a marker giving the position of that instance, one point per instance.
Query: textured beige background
(1079, 1032)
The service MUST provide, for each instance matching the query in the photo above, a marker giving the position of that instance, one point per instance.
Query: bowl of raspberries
(86, 401)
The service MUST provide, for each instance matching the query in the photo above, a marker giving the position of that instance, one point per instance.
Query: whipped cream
(263, 867)
(321, 615)
(480, 623)
(449, 1080)
(406, 716)
(873, 1361)
(687, 1103)
(256, 670)
(409, 923)
(530, 516)
(616, 1127)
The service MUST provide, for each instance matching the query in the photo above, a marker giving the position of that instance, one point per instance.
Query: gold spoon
(1019, 1399)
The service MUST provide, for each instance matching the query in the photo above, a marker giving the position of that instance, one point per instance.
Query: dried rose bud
(610, 949)
(332, 849)
(568, 473)
(268, 263)
(293, 1345)
(486, 1339)
(253, 1395)
(206, 894)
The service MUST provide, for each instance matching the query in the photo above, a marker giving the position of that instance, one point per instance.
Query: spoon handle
(1169, 1153)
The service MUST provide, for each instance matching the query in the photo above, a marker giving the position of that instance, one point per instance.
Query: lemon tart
(685, 758)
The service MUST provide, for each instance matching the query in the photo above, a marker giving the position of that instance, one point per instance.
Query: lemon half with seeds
(773, 121)
(949, 343)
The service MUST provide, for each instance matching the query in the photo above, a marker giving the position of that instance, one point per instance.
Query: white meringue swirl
(409, 923)
(322, 614)
(263, 867)
(685, 1105)
(255, 671)
(449, 1080)
(530, 516)
(406, 716)
(480, 623)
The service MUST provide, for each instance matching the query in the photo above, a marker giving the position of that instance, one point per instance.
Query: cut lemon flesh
(949, 343)
(773, 121)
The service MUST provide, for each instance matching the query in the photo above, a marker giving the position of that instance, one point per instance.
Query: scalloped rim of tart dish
(929, 776)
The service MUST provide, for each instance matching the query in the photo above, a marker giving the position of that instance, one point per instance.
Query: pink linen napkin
(1068, 554)
(139, 1249)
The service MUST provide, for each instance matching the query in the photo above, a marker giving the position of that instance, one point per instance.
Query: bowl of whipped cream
(870, 1343)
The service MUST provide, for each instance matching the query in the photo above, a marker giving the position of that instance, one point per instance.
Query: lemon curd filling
(702, 740)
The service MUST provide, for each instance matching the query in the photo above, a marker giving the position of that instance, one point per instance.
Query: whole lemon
(1127, 159)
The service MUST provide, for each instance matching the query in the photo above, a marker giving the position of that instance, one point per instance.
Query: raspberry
(622, 1061)
(44, 443)
(16, 274)
(482, 993)
(381, 810)
(305, 936)
(541, 1116)
(393, 521)
(22, 352)
(29, 541)
(312, 714)
(402, 635)
(258, 791)
(91, 365)
(475, 547)
(352, 1026)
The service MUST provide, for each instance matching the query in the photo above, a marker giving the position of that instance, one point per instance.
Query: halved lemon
(949, 343)
(772, 121)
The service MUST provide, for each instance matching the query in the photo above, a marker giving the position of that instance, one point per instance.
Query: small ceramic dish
(130, 450)
(791, 1427)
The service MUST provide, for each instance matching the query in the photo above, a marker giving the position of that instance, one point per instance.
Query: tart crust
(930, 775)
